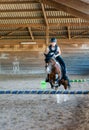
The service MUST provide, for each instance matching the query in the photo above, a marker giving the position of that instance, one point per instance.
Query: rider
(55, 49)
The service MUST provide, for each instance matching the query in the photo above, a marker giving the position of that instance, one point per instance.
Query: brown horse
(54, 71)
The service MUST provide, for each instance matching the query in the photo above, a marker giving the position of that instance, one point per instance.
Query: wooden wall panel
(31, 58)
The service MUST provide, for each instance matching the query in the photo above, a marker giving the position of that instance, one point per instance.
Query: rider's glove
(56, 55)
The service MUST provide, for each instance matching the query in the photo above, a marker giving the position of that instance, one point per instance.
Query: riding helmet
(53, 40)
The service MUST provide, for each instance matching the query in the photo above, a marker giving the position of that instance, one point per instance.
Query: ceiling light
(28, 42)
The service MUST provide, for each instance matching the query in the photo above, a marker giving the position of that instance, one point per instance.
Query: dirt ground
(42, 112)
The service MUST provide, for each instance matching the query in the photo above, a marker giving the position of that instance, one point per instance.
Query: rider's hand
(56, 55)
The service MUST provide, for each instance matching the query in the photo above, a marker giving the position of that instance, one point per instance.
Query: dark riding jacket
(55, 50)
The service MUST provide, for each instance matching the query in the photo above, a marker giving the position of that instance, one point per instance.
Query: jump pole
(39, 92)
(79, 80)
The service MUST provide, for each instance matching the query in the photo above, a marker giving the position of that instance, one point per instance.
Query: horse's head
(50, 60)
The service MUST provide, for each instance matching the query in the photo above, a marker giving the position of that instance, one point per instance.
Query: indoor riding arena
(27, 101)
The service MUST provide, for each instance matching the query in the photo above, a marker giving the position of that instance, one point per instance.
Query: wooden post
(47, 36)
(69, 36)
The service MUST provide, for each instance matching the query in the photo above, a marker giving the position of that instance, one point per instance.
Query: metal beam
(25, 10)
(18, 2)
(42, 25)
(18, 18)
(44, 14)
(69, 7)
(46, 22)
(40, 18)
(63, 41)
(11, 32)
(39, 29)
(82, 33)
(76, 5)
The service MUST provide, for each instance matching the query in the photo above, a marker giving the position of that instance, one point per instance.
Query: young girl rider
(55, 49)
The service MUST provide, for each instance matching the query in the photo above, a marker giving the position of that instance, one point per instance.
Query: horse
(54, 71)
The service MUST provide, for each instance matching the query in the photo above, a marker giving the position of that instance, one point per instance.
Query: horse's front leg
(64, 83)
(52, 80)
(58, 79)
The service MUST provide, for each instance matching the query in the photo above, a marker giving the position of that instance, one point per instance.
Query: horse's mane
(49, 57)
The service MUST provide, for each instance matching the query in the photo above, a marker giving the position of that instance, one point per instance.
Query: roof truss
(42, 19)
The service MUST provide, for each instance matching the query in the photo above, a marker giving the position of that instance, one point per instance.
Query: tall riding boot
(66, 78)
(47, 78)
(63, 72)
